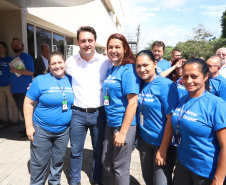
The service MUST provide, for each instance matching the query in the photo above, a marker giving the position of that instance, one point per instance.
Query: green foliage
(223, 24)
(201, 43)
(167, 53)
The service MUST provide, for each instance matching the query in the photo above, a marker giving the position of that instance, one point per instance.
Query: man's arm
(21, 71)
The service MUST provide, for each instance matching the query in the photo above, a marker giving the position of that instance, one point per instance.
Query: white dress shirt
(87, 79)
(223, 71)
(45, 61)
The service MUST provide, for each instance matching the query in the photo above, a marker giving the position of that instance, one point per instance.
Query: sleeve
(130, 81)
(34, 92)
(170, 98)
(218, 116)
(29, 64)
(222, 93)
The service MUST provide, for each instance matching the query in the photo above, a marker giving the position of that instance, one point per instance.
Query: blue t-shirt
(218, 86)
(20, 84)
(48, 113)
(163, 65)
(199, 148)
(161, 98)
(122, 80)
(5, 71)
(181, 89)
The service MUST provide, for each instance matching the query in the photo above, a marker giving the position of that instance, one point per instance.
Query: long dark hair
(204, 69)
(128, 56)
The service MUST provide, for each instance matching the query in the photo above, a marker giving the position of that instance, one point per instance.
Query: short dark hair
(204, 69)
(158, 44)
(4, 44)
(88, 29)
(44, 44)
(175, 50)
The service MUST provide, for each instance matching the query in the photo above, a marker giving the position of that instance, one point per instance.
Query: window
(42, 36)
(30, 40)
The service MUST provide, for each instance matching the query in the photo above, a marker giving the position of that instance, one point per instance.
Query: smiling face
(175, 55)
(158, 52)
(57, 66)
(2, 49)
(193, 79)
(87, 45)
(116, 51)
(145, 68)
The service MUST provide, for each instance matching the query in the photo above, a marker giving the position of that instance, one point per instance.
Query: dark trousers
(19, 99)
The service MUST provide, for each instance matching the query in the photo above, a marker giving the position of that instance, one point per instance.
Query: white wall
(71, 18)
(11, 26)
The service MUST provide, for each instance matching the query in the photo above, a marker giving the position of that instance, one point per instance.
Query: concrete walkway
(15, 155)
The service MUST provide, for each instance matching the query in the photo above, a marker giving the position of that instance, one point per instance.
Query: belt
(87, 110)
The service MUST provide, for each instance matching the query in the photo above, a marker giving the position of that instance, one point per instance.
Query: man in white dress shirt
(222, 54)
(88, 70)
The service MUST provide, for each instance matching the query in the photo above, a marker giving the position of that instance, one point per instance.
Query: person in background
(158, 48)
(48, 127)
(175, 54)
(175, 74)
(41, 63)
(217, 82)
(120, 89)
(88, 70)
(199, 123)
(157, 100)
(5, 95)
(221, 52)
(19, 84)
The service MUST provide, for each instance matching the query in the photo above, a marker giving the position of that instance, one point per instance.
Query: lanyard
(110, 76)
(182, 112)
(62, 89)
(144, 95)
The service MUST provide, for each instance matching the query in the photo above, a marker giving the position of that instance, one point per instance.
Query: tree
(198, 44)
(223, 24)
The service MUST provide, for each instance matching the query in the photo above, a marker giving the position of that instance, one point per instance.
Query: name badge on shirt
(176, 139)
(64, 105)
(106, 100)
(141, 119)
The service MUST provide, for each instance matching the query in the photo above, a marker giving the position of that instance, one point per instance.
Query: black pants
(19, 99)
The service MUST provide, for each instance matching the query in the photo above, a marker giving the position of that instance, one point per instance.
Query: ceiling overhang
(47, 3)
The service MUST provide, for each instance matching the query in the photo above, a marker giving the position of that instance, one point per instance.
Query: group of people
(174, 109)
(14, 81)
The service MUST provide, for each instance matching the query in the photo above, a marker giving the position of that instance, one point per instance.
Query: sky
(171, 21)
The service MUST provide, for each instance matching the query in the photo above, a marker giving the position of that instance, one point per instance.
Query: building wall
(11, 26)
(71, 18)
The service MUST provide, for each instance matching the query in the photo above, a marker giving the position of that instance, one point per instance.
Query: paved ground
(15, 154)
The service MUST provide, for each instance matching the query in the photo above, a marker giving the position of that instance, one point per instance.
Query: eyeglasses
(219, 54)
(210, 66)
(177, 55)
(16, 43)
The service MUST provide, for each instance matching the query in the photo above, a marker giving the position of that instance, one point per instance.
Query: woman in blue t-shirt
(157, 100)
(199, 123)
(121, 89)
(48, 127)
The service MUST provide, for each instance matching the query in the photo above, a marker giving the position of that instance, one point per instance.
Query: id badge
(141, 119)
(176, 139)
(106, 100)
(64, 105)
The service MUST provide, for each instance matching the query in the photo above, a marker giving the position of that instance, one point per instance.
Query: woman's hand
(160, 158)
(119, 139)
(30, 133)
